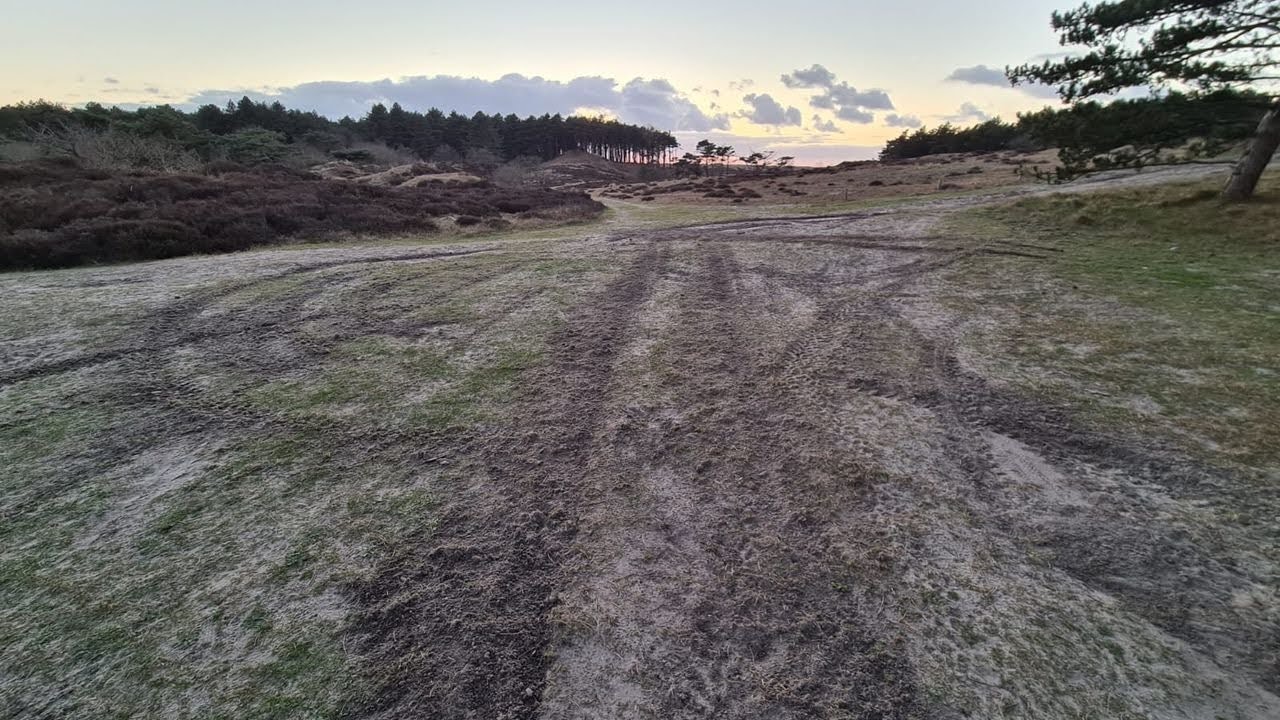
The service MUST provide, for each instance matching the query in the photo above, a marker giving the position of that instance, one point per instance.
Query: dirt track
(754, 479)
(756, 482)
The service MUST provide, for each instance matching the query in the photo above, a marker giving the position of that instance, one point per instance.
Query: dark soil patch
(458, 625)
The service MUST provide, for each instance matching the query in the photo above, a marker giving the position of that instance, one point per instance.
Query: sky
(824, 81)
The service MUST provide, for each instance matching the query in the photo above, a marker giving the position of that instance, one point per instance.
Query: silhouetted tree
(1203, 45)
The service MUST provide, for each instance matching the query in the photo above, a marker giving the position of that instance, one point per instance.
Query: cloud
(823, 126)
(151, 90)
(979, 75)
(742, 84)
(844, 96)
(765, 110)
(855, 115)
(646, 102)
(816, 76)
(110, 81)
(969, 112)
(902, 121)
(995, 77)
(847, 102)
(658, 104)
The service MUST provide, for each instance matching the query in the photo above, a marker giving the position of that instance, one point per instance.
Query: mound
(579, 169)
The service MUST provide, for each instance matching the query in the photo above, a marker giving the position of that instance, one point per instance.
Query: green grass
(1159, 310)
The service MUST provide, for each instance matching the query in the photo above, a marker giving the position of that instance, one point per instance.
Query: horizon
(836, 90)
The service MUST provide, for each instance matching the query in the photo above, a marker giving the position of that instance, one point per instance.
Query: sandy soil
(754, 479)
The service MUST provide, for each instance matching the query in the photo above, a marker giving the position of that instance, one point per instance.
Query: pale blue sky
(132, 51)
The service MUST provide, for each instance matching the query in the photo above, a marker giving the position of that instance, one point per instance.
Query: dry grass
(181, 526)
(1157, 309)
(849, 182)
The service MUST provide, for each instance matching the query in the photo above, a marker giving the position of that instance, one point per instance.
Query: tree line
(1215, 63)
(1095, 136)
(1207, 47)
(425, 134)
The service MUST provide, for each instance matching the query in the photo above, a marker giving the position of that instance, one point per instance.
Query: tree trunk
(1244, 178)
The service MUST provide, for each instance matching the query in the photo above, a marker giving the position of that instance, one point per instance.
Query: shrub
(512, 206)
(58, 215)
(254, 146)
(359, 156)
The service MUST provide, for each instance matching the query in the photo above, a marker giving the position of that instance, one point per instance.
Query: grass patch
(1159, 311)
(155, 569)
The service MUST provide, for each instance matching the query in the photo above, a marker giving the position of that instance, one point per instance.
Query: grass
(632, 214)
(1156, 309)
(151, 568)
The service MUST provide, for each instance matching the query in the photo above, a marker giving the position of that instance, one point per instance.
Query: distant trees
(256, 131)
(757, 160)
(1205, 46)
(1094, 136)
(989, 136)
(710, 153)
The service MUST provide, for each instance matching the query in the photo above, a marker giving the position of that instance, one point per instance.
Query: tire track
(462, 631)
(167, 327)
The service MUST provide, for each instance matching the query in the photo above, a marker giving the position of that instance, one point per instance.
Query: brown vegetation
(60, 215)
(849, 181)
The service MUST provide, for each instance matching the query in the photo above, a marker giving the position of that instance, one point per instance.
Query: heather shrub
(54, 214)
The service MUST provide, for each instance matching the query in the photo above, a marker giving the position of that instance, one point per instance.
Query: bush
(254, 146)
(512, 206)
(515, 173)
(356, 156)
(59, 215)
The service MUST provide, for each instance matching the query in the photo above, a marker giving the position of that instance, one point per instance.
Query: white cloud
(969, 112)
(823, 126)
(855, 115)
(979, 75)
(845, 101)
(657, 103)
(764, 110)
(816, 76)
(902, 121)
(995, 77)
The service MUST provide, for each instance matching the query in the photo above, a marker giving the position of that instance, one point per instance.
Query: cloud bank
(641, 101)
